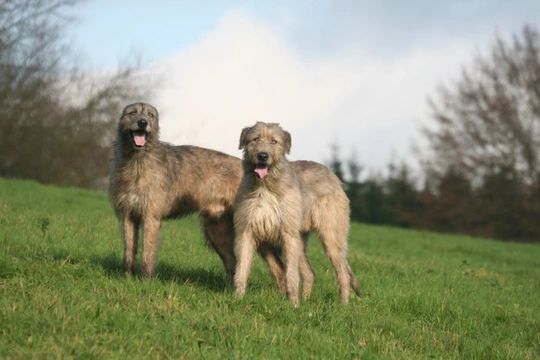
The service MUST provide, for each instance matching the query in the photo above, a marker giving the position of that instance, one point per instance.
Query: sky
(356, 73)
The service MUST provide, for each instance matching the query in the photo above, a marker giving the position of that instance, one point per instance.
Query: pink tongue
(261, 170)
(140, 140)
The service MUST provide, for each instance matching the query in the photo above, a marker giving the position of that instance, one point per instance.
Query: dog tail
(354, 283)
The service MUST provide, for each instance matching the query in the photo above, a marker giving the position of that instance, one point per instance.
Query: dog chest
(264, 215)
(130, 199)
(136, 192)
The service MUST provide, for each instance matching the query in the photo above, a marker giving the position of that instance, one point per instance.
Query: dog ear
(243, 138)
(287, 141)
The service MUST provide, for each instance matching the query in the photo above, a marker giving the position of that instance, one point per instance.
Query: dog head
(139, 125)
(264, 145)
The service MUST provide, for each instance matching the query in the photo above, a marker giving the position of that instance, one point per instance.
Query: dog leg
(130, 233)
(219, 234)
(338, 258)
(245, 245)
(306, 271)
(269, 254)
(151, 242)
(292, 248)
(354, 283)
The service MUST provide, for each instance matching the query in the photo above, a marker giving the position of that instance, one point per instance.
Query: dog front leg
(151, 242)
(130, 233)
(292, 248)
(245, 247)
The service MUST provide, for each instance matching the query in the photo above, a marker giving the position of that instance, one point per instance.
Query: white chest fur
(266, 215)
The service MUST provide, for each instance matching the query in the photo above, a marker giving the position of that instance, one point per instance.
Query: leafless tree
(489, 121)
(57, 121)
(484, 144)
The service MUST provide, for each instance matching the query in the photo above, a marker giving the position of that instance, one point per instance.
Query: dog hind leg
(270, 255)
(219, 234)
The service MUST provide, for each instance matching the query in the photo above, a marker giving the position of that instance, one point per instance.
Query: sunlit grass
(63, 293)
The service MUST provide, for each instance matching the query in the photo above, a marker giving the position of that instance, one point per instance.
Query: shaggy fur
(283, 202)
(152, 180)
(327, 213)
(268, 204)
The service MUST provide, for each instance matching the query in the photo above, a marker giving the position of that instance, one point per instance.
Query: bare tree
(490, 120)
(57, 120)
(483, 162)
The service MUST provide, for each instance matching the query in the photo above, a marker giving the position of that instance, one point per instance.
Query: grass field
(427, 296)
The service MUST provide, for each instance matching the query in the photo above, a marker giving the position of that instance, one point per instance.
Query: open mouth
(139, 138)
(261, 170)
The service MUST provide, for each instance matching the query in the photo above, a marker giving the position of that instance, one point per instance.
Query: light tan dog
(268, 205)
(282, 202)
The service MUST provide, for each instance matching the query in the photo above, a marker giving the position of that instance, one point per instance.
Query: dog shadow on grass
(113, 267)
(210, 279)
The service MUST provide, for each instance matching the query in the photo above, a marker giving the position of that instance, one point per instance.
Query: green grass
(63, 293)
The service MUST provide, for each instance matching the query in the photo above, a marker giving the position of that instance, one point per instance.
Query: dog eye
(273, 142)
(151, 115)
(256, 139)
(133, 112)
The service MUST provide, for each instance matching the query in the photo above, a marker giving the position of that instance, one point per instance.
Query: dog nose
(142, 123)
(262, 156)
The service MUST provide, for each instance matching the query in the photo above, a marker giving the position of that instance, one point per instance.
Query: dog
(151, 181)
(268, 206)
(282, 202)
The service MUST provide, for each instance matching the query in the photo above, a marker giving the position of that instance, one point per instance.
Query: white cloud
(246, 70)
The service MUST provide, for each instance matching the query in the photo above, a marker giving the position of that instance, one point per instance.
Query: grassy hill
(63, 293)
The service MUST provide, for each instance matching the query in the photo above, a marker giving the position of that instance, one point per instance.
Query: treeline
(500, 206)
(480, 173)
